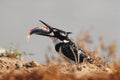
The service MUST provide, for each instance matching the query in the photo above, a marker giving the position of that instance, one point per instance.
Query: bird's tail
(83, 55)
(89, 59)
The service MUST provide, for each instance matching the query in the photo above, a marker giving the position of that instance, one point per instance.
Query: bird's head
(48, 31)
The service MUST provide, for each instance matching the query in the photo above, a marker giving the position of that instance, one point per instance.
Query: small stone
(31, 64)
(17, 66)
(7, 67)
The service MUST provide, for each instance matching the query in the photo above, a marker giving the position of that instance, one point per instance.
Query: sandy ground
(17, 69)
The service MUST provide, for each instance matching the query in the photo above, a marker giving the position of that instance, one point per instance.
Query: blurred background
(99, 17)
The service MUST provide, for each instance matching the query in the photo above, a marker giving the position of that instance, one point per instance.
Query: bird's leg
(76, 61)
(78, 58)
(75, 52)
(78, 66)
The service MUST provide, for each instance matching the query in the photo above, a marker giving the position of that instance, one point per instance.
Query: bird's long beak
(51, 28)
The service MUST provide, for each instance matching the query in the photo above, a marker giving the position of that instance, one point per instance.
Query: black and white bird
(66, 46)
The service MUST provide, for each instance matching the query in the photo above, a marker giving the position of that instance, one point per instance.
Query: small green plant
(14, 53)
(11, 53)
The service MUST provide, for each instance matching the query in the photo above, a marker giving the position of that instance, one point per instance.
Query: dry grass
(58, 69)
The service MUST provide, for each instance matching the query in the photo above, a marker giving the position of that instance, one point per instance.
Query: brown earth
(17, 69)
